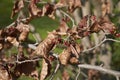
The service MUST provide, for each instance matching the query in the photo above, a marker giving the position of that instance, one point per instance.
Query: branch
(32, 46)
(56, 69)
(25, 61)
(90, 49)
(109, 39)
(101, 69)
(105, 39)
(10, 25)
(117, 78)
(73, 21)
(78, 74)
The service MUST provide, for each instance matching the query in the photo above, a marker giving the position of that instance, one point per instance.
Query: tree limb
(104, 40)
(101, 69)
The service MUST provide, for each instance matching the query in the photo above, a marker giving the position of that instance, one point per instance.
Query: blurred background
(45, 24)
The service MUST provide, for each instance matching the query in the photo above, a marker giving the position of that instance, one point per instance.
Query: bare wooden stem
(101, 69)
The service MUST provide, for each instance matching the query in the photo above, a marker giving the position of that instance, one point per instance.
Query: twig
(112, 72)
(105, 39)
(56, 69)
(78, 74)
(25, 61)
(117, 78)
(32, 46)
(109, 39)
(95, 46)
(15, 22)
(84, 74)
(10, 25)
(73, 21)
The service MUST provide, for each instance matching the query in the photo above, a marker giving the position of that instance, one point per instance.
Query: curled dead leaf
(46, 45)
(1, 46)
(105, 8)
(107, 26)
(48, 10)
(34, 10)
(95, 27)
(18, 5)
(35, 75)
(45, 69)
(74, 60)
(65, 56)
(13, 41)
(61, 3)
(23, 36)
(73, 4)
(74, 50)
(24, 31)
(4, 74)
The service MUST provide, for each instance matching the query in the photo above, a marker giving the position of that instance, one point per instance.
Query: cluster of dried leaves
(17, 35)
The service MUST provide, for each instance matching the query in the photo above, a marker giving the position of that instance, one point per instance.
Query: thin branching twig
(73, 21)
(79, 71)
(101, 69)
(25, 61)
(95, 46)
(104, 40)
(56, 69)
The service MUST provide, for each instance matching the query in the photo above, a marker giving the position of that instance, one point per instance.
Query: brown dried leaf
(74, 33)
(1, 46)
(83, 23)
(47, 45)
(4, 74)
(34, 10)
(48, 10)
(74, 51)
(61, 3)
(105, 8)
(24, 29)
(65, 56)
(13, 41)
(23, 36)
(95, 27)
(18, 5)
(73, 4)
(74, 60)
(45, 69)
(35, 75)
(107, 26)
